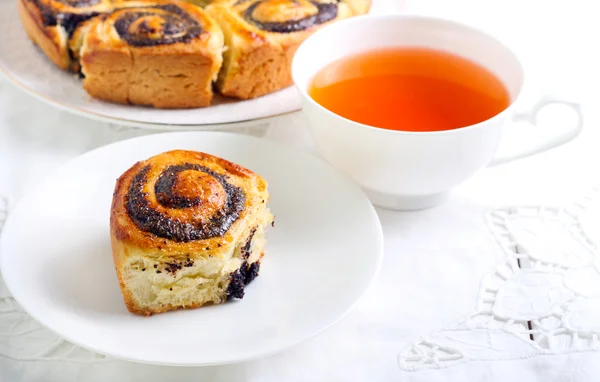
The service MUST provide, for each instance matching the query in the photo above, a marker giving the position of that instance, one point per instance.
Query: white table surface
(434, 259)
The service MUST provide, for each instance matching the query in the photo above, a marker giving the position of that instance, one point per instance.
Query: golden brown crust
(114, 84)
(47, 39)
(125, 230)
(76, 42)
(48, 24)
(262, 36)
(145, 66)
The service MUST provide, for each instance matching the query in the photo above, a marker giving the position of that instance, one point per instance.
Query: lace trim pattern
(543, 298)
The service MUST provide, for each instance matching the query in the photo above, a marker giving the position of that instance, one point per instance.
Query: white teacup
(411, 170)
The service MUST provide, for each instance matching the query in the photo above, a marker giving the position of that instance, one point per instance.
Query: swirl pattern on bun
(187, 229)
(164, 54)
(157, 25)
(276, 16)
(262, 36)
(204, 197)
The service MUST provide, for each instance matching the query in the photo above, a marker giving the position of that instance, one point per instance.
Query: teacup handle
(550, 143)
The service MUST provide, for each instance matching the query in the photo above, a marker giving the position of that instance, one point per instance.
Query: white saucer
(321, 256)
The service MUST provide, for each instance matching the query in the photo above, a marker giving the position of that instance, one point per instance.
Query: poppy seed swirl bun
(161, 53)
(187, 229)
(262, 36)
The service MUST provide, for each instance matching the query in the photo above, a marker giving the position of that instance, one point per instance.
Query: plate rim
(369, 281)
(6, 73)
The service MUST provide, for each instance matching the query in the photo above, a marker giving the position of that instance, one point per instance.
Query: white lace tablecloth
(500, 283)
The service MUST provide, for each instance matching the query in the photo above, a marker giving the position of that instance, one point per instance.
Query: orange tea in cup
(410, 89)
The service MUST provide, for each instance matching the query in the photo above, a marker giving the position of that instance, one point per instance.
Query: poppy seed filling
(325, 12)
(69, 21)
(148, 219)
(241, 278)
(177, 26)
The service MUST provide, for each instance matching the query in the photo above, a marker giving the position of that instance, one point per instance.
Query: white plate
(321, 256)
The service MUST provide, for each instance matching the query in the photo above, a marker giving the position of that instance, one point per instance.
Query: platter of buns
(163, 62)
